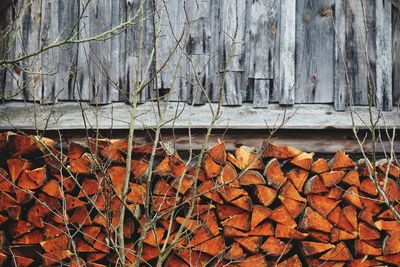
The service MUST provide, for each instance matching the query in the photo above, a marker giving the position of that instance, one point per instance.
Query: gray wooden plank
(58, 64)
(198, 48)
(213, 74)
(340, 56)
(132, 50)
(358, 40)
(261, 92)
(383, 20)
(69, 116)
(396, 55)
(170, 57)
(23, 80)
(261, 26)
(5, 18)
(231, 49)
(315, 57)
(287, 38)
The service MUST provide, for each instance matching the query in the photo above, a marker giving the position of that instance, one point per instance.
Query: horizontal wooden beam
(69, 115)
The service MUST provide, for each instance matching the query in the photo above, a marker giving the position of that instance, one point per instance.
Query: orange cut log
(366, 232)
(117, 176)
(33, 237)
(208, 189)
(335, 193)
(304, 160)
(226, 211)
(265, 194)
(174, 260)
(139, 168)
(298, 177)
(391, 244)
(337, 218)
(183, 184)
(367, 186)
(22, 227)
(52, 189)
(243, 202)
(293, 261)
(218, 153)
(89, 187)
(251, 177)
(211, 168)
(319, 236)
(238, 221)
(352, 178)
(280, 152)
(259, 214)
(289, 191)
(323, 205)
(339, 253)
(230, 232)
(320, 166)
(33, 179)
(90, 233)
(56, 245)
(230, 193)
(275, 247)
(229, 176)
(246, 158)
(352, 196)
(282, 215)
(264, 229)
(81, 217)
(201, 235)
(250, 243)
(21, 261)
(274, 174)
(282, 231)
(312, 248)
(350, 213)
(313, 220)
(235, 252)
(363, 248)
(341, 161)
(7, 201)
(137, 194)
(392, 259)
(16, 166)
(295, 208)
(339, 235)
(213, 247)
(314, 185)
(331, 178)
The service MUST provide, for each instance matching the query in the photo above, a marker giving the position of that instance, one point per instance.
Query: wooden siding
(261, 52)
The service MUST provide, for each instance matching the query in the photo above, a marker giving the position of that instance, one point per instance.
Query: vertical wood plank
(340, 56)
(261, 25)
(231, 49)
(261, 92)
(315, 57)
(287, 40)
(58, 64)
(383, 22)
(131, 53)
(171, 21)
(396, 55)
(358, 40)
(213, 72)
(5, 19)
(24, 81)
(198, 46)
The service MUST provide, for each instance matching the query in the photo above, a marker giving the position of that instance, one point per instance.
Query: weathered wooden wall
(264, 51)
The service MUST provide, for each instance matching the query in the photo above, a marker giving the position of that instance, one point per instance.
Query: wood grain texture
(59, 64)
(383, 20)
(341, 89)
(360, 37)
(315, 58)
(287, 39)
(231, 49)
(276, 51)
(396, 55)
(117, 115)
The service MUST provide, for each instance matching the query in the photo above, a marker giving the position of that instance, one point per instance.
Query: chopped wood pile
(280, 206)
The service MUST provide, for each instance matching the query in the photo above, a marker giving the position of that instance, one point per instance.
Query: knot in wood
(326, 12)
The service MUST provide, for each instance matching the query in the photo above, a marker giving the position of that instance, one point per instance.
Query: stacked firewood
(277, 206)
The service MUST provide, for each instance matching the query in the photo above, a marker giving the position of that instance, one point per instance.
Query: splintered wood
(275, 206)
